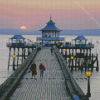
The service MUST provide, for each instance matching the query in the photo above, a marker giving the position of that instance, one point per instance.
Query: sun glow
(23, 27)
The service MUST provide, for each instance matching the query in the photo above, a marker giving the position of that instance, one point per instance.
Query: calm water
(95, 78)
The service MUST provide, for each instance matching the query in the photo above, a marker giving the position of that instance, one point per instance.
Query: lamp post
(33, 44)
(56, 43)
(14, 56)
(88, 74)
(61, 49)
(65, 53)
(72, 57)
(58, 46)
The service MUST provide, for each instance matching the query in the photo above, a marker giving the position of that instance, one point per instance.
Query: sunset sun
(23, 27)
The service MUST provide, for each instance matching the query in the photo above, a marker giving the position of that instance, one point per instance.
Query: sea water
(94, 80)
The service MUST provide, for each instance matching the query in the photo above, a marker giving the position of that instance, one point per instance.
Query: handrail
(70, 85)
(10, 84)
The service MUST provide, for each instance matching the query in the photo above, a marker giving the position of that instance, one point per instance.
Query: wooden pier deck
(51, 87)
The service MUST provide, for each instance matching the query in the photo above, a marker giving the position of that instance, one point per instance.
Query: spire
(50, 26)
(50, 17)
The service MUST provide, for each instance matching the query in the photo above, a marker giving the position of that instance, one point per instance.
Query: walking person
(42, 69)
(51, 50)
(76, 96)
(33, 69)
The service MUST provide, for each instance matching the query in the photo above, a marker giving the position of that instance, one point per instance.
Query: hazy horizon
(39, 29)
(89, 32)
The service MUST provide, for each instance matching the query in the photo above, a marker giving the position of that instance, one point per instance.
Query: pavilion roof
(50, 27)
(80, 38)
(17, 37)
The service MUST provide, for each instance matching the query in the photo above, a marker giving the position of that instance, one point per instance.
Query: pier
(58, 82)
(19, 48)
(78, 54)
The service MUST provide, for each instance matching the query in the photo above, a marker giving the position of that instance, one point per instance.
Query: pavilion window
(47, 32)
(53, 32)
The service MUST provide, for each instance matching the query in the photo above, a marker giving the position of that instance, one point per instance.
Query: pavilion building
(50, 33)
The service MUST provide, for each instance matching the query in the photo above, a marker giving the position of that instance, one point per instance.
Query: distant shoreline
(85, 32)
(60, 34)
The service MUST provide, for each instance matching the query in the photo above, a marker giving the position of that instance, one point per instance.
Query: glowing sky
(34, 14)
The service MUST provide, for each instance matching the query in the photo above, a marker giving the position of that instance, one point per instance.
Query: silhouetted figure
(33, 69)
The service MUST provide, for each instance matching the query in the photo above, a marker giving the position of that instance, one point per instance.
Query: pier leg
(86, 63)
(59, 49)
(17, 58)
(72, 60)
(75, 59)
(9, 57)
(84, 57)
(24, 53)
(14, 61)
(79, 61)
(88, 58)
(69, 58)
(92, 63)
(97, 69)
(28, 52)
(32, 49)
(62, 51)
(72, 66)
(65, 54)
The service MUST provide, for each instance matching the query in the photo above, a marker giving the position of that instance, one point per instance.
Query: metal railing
(71, 86)
(77, 46)
(81, 45)
(20, 45)
(7, 88)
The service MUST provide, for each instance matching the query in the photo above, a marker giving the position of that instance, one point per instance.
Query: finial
(50, 17)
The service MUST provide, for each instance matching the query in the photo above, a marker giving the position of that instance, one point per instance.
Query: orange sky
(67, 14)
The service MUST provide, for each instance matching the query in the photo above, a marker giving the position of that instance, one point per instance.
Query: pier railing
(71, 84)
(76, 46)
(10, 84)
(20, 45)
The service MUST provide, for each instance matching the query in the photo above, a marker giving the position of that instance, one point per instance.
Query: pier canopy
(17, 37)
(80, 38)
(19, 41)
(16, 40)
(50, 27)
